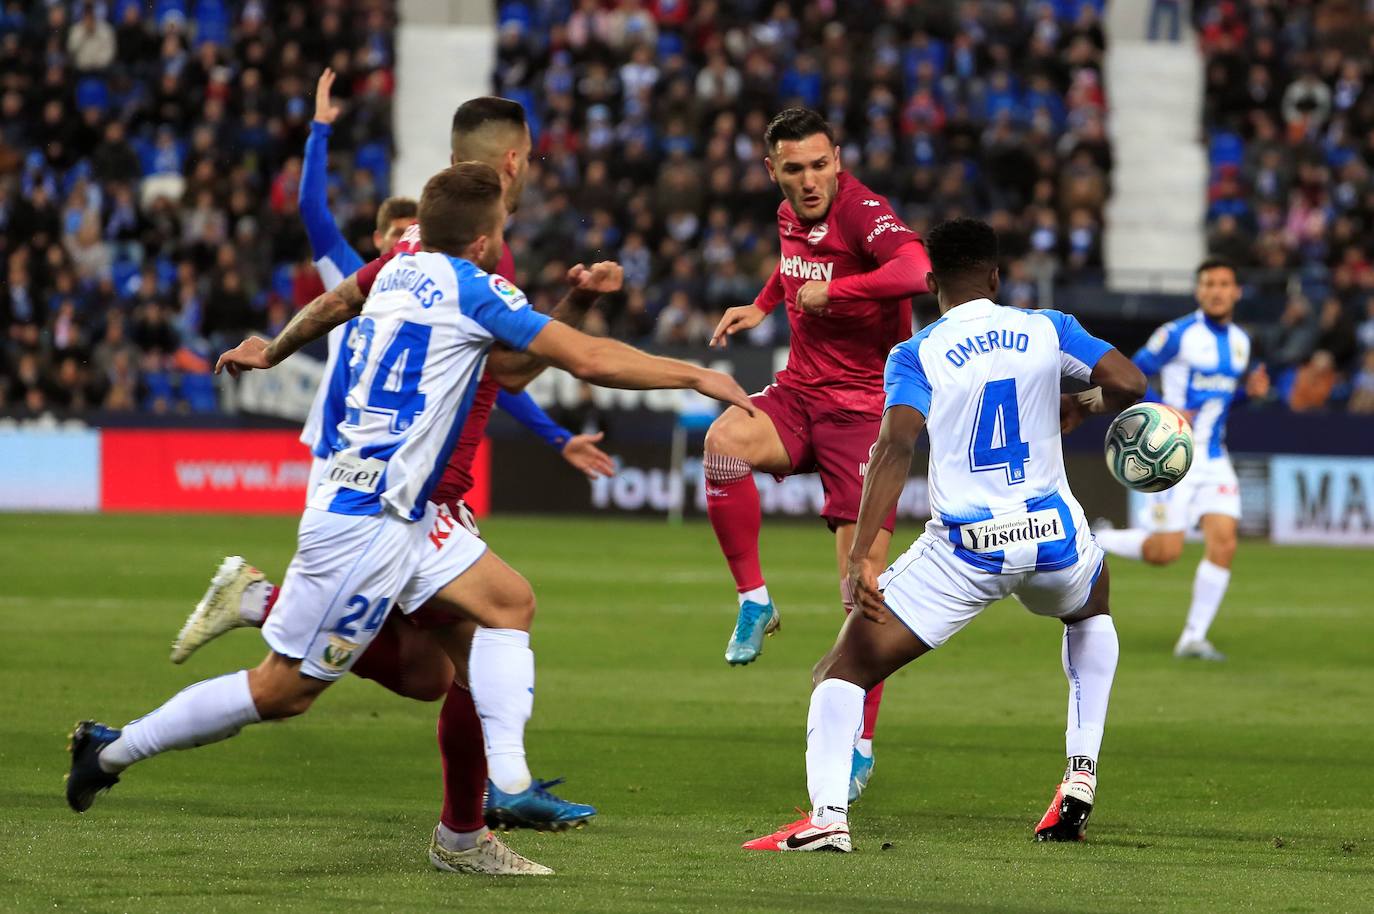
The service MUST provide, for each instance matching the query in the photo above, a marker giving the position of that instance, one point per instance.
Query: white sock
(204, 713)
(253, 604)
(865, 747)
(1089, 653)
(1128, 543)
(459, 840)
(833, 724)
(758, 595)
(501, 676)
(1209, 587)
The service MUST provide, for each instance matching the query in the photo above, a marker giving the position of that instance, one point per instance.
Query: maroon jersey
(839, 356)
(457, 477)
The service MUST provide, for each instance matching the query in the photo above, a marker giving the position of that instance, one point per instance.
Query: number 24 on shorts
(999, 418)
(347, 625)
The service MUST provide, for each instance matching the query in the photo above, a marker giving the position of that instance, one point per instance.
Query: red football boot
(805, 835)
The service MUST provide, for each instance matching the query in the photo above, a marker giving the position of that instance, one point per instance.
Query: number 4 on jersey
(996, 442)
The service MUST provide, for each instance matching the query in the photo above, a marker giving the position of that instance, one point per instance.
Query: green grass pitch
(1242, 786)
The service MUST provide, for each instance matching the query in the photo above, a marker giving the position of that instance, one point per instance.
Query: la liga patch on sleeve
(506, 291)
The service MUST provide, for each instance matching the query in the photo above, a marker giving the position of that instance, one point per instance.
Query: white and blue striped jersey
(1200, 364)
(987, 379)
(414, 362)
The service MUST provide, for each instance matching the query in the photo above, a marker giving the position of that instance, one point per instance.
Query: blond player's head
(394, 216)
(493, 130)
(804, 161)
(462, 214)
(1218, 288)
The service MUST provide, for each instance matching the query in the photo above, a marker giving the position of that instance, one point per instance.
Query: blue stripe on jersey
(1160, 350)
(335, 399)
(450, 440)
(1053, 556)
(1075, 341)
(1216, 446)
(990, 562)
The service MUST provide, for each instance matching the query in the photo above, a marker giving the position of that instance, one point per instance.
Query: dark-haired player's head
(1218, 288)
(493, 130)
(462, 214)
(394, 216)
(963, 262)
(804, 161)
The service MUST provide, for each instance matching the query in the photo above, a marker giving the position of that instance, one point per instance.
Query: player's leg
(1158, 535)
(929, 598)
(1079, 596)
(863, 746)
(1213, 576)
(336, 596)
(736, 445)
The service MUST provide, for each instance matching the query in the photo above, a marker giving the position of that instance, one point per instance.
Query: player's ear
(995, 281)
(768, 163)
(377, 242)
(839, 159)
(932, 284)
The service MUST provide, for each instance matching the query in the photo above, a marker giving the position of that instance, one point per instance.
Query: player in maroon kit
(403, 657)
(848, 270)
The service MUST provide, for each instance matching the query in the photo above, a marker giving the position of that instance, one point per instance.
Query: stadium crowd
(650, 116)
(1290, 118)
(149, 157)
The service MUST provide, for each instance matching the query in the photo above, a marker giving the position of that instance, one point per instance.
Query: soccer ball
(1149, 447)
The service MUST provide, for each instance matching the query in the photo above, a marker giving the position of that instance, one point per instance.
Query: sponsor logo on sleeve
(1158, 339)
(887, 222)
(505, 290)
(871, 203)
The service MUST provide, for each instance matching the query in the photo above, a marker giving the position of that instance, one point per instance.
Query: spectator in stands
(1314, 383)
(91, 41)
(1362, 387)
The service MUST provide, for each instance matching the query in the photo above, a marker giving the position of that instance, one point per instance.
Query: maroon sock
(274, 590)
(732, 503)
(871, 702)
(464, 760)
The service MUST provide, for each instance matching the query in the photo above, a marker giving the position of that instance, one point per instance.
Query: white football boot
(490, 856)
(220, 610)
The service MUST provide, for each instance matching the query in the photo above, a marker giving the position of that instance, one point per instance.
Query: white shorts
(350, 571)
(935, 593)
(1210, 487)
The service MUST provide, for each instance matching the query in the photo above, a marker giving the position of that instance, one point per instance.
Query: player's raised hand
(600, 278)
(325, 110)
(745, 317)
(1257, 384)
(863, 590)
(720, 386)
(250, 354)
(581, 451)
(814, 297)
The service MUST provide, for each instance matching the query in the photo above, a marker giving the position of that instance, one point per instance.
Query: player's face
(489, 256)
(1217, 292)
(385, 241)
(808, 171)
(516, 187)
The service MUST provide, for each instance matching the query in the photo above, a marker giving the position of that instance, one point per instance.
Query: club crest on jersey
(507, 292)
(818, 232)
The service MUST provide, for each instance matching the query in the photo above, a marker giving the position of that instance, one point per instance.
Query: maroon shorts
(834, 442)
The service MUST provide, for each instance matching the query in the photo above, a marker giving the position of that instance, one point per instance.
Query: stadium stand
(1289, 114)
(149, 154)
(650, 118)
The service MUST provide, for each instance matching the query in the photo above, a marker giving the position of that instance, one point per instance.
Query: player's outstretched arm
(515, 370)
(1117, 383)
(613, 364)
(338, 305)
(887, 473)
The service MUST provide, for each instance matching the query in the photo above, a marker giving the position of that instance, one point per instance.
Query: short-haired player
(984, 381)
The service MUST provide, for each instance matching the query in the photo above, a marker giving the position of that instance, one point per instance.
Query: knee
(427, 687)
(517, 610)
(1162, 551)
(821, 671)
(725, 438)
(1221, 551)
